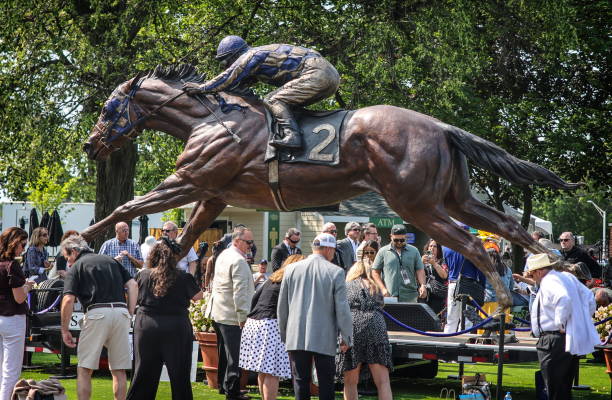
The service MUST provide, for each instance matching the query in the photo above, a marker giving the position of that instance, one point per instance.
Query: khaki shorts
(105, 327)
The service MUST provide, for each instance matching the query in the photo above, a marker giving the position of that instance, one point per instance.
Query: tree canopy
(532, 77)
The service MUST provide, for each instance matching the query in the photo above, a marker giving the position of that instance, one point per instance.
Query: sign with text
(385, 222)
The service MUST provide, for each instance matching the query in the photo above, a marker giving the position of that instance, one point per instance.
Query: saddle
(321, 137)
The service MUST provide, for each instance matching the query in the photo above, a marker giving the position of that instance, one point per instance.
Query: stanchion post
(500, 357)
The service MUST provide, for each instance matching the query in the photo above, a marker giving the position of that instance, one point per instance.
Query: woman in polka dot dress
(261, 349)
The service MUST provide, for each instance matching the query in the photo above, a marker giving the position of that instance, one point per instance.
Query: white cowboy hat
(538, 261)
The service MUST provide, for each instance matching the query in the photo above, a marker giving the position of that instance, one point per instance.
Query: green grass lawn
(518, 378)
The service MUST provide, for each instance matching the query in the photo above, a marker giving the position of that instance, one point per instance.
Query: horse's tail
(493, 158)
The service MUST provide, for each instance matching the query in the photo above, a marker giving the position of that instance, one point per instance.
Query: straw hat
(538, 261)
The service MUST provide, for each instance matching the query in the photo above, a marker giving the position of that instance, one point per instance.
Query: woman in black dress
(370, 340)
(435, 270)
(162, 331)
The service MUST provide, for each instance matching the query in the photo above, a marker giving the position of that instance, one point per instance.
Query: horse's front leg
(204, 213)
(171, 193)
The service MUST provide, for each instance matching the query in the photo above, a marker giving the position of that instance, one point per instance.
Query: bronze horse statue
(417, 163)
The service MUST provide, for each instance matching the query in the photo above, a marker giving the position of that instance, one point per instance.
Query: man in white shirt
(561, 317)
(187, 263)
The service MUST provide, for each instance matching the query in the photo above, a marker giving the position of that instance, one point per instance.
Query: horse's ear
(136, 79)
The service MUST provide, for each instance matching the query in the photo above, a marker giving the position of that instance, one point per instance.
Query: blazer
(232, 288)
(312, 307)
(280, 254)
(346, 252)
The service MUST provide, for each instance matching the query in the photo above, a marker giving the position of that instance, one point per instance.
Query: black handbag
(434, 286)
(469, 286)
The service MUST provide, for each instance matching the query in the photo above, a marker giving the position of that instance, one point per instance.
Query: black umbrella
(22, 223)
(33, 221)
(45, 220)
(55, 230)
(144, 228)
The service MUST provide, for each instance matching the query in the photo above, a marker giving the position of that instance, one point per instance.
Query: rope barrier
(435, 334)
(46, 310)
(603, 321)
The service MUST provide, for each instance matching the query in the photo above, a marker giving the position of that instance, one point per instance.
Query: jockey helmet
(230, 47)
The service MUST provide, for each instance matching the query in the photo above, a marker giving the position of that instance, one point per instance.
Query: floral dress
(370, 339)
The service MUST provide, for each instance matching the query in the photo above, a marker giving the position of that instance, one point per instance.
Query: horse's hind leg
(435, 222)
(204, 213)
(481, 216)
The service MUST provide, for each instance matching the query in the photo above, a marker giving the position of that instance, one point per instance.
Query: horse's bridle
(120, 119)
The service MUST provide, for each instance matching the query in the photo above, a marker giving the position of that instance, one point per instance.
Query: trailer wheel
(426, 371)
(45, 298)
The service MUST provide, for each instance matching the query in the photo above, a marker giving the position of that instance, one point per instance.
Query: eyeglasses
(356, 229)
(371, 233)
(564, 240)
(334, 231)
(399, 240)
(369, 252)
(249, 242)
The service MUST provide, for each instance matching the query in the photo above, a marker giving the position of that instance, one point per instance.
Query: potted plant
(604, 331)
(207, 338)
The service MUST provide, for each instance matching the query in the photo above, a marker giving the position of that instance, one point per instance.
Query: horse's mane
(177, 72)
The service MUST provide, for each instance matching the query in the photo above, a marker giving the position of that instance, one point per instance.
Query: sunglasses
(168, 230)
(399, 240)
(371, 233)
(249, 242)
(356, 229)
(334, 231)
(294, 241)
(564, 240)
(369, 252)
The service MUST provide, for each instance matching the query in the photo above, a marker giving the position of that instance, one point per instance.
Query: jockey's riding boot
(288, 127)
(292, 138)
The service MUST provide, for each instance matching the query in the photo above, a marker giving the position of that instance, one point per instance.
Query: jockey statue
(302, 76)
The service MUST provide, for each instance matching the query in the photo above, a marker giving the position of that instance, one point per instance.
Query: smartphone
(428, 252)
(33, 278)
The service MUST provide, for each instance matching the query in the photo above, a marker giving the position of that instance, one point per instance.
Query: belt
(552, 333)
(106, 305)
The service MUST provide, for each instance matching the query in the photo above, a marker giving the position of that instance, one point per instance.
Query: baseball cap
(263, 261)
(324, 240)
(398, 229)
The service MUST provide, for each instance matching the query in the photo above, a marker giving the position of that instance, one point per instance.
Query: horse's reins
(227, 128)
(134, 126)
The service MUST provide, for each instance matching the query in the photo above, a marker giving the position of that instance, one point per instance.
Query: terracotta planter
(210, 357)
(608, 357)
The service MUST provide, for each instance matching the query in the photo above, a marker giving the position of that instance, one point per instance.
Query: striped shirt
(114, 247)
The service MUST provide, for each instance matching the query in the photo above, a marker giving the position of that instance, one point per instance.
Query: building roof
(366, 205)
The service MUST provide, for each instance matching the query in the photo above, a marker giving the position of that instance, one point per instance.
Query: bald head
(330, 228)
(602, 298)
(122, 231)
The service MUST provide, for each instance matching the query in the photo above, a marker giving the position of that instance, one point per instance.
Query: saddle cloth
(321, 138)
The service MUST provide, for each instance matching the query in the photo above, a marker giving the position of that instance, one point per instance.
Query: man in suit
(232, 293)
(312, 309)
(286, 248)
(330, 228)
(348, 246)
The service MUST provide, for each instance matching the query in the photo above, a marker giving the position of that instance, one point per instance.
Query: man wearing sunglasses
(574, 254)
(337, 258)
(288, 247)
(187, 263)
(348, 246)
(232, 292)
(398, 269)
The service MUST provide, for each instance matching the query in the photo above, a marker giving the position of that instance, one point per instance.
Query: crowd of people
(291, 315)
